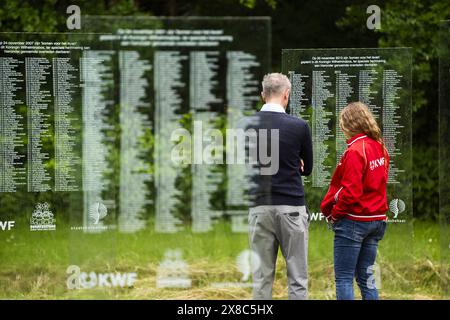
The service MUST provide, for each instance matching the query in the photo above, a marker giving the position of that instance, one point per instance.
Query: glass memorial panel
(44, 160)
(181, 82)
(324, 81)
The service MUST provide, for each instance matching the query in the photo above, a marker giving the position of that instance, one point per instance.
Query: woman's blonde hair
(356, 118)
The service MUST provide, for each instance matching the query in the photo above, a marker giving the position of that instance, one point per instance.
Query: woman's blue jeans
(355, 251)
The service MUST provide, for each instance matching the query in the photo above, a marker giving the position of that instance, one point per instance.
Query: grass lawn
(33, 264)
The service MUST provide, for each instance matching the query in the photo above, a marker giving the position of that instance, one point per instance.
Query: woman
(356, 202)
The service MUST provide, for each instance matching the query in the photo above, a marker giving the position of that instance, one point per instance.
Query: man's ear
(263, 97)
(287, 93)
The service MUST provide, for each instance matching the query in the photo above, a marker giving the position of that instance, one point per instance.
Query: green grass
(33, 264)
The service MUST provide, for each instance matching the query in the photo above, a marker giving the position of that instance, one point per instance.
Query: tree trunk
(172, 4)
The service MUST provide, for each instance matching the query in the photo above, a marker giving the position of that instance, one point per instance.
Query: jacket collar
(273, 107)
(355, 138)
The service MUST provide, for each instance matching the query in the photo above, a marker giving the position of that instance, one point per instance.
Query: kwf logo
(7, 225)
(84, 280)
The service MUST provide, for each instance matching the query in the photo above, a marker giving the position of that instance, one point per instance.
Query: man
(279, 216)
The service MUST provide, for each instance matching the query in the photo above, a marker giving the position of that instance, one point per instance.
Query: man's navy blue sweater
(285, 187)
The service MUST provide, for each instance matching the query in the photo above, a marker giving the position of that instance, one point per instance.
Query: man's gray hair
(274, 84)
